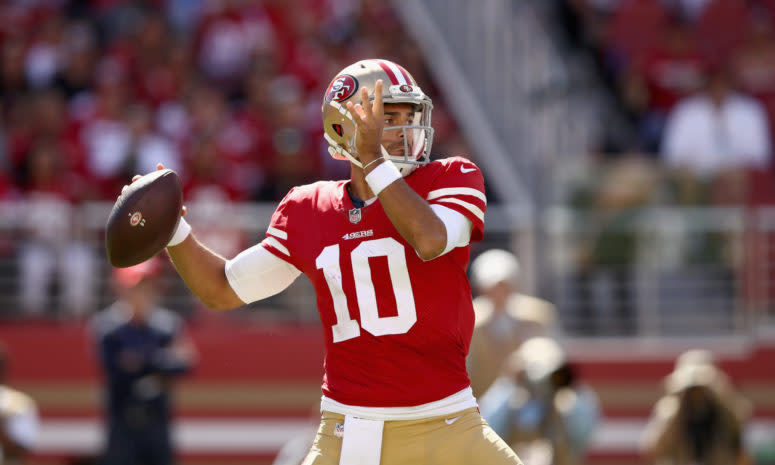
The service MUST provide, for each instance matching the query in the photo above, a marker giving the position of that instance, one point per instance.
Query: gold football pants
(463, 438)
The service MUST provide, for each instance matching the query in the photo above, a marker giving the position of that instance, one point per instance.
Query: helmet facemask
(416, 140)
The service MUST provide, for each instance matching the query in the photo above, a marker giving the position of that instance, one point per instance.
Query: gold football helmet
(398, 86)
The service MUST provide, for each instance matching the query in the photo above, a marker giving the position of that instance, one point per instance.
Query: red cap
(131, 276)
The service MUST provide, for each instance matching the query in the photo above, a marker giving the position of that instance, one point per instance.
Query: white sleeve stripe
(276, 232)
(457, 191)
(276, 244)
(468, 206)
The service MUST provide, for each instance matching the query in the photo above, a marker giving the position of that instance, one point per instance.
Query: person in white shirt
(715, 136)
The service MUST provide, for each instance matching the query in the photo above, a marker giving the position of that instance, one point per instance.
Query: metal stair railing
(499, 68)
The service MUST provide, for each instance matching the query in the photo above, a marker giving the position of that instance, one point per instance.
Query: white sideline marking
(267, 435)
(191, 436)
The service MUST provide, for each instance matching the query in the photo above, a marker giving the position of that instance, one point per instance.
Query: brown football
(144, 218)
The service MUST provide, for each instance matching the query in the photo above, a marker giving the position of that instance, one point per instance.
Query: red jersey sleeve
(460, 187)
(279, 234)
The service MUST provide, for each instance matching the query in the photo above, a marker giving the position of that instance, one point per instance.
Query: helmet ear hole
(338, 129)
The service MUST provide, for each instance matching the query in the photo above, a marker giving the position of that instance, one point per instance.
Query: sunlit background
(650, 234)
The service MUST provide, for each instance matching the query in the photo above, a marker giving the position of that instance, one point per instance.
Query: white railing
(461, 93)
(665, 283)
(681, 271)
(498, 65)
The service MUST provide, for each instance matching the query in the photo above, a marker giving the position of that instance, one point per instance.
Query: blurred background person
(700, 419)
(667, 71)
(540, 407)
(19, 422)
(711, 139)
(54, 248)
(504, 317)
(142, 348)
(616, 198)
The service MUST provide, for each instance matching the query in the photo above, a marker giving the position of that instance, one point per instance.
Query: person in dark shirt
(142, 347)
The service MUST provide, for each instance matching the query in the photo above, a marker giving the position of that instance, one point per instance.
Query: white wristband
(184, 229)
(382, 176)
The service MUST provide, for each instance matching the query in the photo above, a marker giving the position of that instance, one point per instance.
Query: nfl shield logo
(355, 215)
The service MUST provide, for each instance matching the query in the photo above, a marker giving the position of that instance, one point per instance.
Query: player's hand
(369, 121)
(159, 166)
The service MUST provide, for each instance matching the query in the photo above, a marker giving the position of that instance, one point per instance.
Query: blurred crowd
(695, 81)
(226, 92)
(696, 78)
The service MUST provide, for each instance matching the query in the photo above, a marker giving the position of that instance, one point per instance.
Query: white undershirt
(256, 273)
(449, 405)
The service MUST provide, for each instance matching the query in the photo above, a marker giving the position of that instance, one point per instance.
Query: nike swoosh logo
(449, 421)
(463, 169)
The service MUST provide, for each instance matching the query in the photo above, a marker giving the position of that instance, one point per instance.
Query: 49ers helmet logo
(341, 88)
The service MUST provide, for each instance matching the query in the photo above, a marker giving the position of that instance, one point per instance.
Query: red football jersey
(397, 328)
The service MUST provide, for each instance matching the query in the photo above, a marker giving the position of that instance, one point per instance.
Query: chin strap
(405, 168)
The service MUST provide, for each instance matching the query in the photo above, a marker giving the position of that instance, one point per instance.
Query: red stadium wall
(267, 376)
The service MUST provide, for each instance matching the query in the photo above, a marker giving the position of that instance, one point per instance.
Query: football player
(386, 251)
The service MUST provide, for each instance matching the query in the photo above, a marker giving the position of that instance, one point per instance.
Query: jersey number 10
(347, 328)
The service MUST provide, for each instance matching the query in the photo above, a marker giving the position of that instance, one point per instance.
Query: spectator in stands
(712, 139)
(294, 146)
(721, 26)
(238, 142)
(699, 420)
(75, 75)
(19, 421)
(753, 65)
(147, 145)
(691, 9)
(48, 120)
(112, 83)
(152, 61)
(53, 244)
(12, 79)
(104, 134)
(142, 348)
(9, 197)
(633, 28)
(668, 71)
(540, 407)
(504, 317)
(714, 144)
(213, 189)
(608, 251)
(43, 55)
(229, 36)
